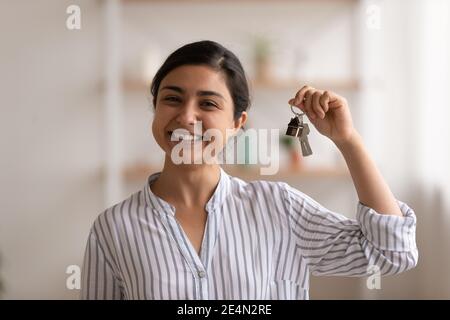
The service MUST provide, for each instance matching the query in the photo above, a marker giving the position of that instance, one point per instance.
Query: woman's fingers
(300, 96)
(308, 103)
(326, 110)
(324, 100)
(292, 103)
(316, 105)
(335, 100)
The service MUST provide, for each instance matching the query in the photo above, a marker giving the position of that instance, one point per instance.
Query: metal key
(304, 143)
(294, 126)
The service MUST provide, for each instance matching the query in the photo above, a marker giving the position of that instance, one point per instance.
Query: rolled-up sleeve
(333, 244)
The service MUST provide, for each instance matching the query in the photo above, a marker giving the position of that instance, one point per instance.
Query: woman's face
(190, 95)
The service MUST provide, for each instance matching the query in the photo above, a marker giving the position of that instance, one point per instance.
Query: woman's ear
(239, 122)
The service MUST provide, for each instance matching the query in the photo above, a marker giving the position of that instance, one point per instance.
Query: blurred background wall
(76, 112)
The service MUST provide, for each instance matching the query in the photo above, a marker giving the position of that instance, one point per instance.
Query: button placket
(202, 283)
(201, 274)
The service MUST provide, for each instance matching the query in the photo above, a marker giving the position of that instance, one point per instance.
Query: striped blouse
(261, 241)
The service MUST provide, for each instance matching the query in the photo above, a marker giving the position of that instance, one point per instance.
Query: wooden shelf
(252, 172)
(331, 84)
(229, 1)
(350, 84)
(129, 85)
(140, 172)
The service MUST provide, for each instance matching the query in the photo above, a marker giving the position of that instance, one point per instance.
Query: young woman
(194, 232)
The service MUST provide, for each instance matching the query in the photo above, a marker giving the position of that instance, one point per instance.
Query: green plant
(287, 141)
(262, 48)
(261, 54)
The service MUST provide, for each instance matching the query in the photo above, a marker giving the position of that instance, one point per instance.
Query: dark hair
(217, 57)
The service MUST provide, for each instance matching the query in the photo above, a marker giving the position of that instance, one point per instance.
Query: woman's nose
(188, 114)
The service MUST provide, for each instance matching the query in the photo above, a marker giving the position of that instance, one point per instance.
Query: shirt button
(201, 274)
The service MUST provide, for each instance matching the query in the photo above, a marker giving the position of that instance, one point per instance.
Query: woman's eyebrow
(200, 93)
(174, 88)
(209, 93)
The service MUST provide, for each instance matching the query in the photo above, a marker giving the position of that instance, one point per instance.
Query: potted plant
(295, 159)
(262, 52)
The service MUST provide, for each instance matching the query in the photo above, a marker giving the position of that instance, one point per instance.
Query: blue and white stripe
(262, 241)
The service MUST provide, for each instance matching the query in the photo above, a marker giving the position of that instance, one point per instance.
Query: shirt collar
(216, 200)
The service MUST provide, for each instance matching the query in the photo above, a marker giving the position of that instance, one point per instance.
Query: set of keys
(299, 129)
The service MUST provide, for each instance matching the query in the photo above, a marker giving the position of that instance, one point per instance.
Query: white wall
(51, 126)
(52, 122)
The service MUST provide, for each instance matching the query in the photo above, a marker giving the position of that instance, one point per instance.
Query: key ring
(296, 113)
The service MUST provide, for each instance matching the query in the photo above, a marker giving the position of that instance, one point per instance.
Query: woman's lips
(185, 137)
(178, 136)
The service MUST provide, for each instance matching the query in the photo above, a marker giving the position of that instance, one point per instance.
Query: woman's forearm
(371, 187)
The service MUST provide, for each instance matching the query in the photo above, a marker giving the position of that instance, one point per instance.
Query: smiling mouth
(176, 136)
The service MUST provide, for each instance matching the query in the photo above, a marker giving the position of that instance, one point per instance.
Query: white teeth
(187, 137)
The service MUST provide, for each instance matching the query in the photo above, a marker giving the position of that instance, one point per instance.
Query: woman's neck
(186, 185)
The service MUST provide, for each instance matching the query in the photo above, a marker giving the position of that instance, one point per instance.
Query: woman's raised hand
(327, 111)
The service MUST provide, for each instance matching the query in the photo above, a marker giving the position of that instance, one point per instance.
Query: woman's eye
(172, 99)
(208, 104)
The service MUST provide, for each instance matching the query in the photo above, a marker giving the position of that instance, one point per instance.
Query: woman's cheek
(154, 127)
(158, 131)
